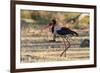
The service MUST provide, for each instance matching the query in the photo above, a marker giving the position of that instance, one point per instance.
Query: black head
(54, 21)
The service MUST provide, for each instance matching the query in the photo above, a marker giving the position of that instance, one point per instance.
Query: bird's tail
(74, 33)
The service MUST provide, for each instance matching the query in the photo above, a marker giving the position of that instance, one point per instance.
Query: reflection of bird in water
(63, 32)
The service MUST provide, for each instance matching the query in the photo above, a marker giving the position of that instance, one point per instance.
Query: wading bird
(63, 32)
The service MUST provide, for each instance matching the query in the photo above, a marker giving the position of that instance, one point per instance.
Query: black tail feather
(74, 33)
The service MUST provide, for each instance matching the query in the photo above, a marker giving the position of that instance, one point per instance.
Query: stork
(63, 32)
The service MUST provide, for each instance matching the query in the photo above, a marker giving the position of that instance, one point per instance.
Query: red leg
(66, 48)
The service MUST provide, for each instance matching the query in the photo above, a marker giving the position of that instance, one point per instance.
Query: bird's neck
(52, 29)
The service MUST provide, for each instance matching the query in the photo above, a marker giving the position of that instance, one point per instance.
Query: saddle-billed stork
(62, 32)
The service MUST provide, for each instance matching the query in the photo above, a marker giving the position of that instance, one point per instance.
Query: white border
(51, 64)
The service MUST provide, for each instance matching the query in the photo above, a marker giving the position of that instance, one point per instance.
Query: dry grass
(53, 54)
(36, 48)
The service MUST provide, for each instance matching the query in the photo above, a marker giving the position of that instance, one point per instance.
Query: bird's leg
(65, 47)
(65, 53)
(68, 43)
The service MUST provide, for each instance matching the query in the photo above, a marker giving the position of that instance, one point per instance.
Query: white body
(56, 28)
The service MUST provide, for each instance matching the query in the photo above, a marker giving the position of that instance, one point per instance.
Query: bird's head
(54, 21)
